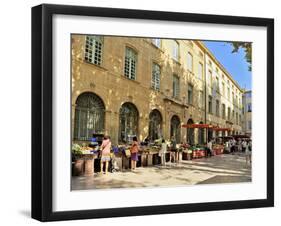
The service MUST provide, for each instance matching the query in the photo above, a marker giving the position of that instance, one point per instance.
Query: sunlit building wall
(149, 88)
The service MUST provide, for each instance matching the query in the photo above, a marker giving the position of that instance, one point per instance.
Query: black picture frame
(42, 86)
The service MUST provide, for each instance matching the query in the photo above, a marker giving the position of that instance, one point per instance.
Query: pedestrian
(162, 152)
(239, 146)
(210, 146)
(134, 153)
(105, 153)
(244, 145)
(233, 144)
(227, 147)
(174, 152)
(248, 153)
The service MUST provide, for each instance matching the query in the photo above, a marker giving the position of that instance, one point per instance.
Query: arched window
(89, 116)
(190, 133)
(128, 122)
(175, 128)
(201, 135)
(155, 125)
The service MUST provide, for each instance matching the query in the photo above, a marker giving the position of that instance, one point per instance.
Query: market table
(83, 164)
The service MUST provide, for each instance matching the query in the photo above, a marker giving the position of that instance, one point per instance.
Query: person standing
(239, 143)
(134, 153)
(105, 153)
(248, 153)
(210, 146)
(174, 153)
(227, 147)
(163, 152)
(244, 145)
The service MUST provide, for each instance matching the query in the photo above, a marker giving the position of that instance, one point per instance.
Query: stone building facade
(247, 113)
(124, 86)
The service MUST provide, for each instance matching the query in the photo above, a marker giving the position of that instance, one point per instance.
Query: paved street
(217, 169)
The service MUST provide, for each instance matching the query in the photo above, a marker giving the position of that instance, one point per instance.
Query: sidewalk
(217, 169)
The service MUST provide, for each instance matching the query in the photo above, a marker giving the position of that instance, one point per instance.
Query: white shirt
(163, 148)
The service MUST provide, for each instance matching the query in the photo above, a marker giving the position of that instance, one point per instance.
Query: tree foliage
(247, 47)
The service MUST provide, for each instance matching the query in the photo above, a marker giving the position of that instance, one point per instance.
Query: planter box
(89, 167)
(149, 159)
(143, 159)
(78, 167)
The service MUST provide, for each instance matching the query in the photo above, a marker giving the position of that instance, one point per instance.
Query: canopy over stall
(205, 126)
(199, 126)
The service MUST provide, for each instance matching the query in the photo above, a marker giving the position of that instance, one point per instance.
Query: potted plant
(77, 159)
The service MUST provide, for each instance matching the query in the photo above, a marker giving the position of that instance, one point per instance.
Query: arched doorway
(175, 130)
(89, 116)
(155, 125)
(201, 135)
(190, 133)
(128, 122)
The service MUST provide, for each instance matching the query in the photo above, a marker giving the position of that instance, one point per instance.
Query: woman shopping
(134, 153)
(105, 153)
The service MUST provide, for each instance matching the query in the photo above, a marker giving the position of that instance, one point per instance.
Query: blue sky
(234, 63)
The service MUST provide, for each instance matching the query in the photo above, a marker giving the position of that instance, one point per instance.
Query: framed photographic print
(145, 112)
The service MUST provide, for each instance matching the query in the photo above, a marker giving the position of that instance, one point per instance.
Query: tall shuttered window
(190, 94)
(155, 78)
(176, 50)
(176, 86)
(130, 69)
(93, 49)
(189, 62)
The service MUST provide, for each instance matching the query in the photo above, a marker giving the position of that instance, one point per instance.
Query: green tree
(247, 46)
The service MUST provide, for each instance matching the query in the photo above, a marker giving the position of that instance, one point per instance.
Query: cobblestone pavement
(217, 169)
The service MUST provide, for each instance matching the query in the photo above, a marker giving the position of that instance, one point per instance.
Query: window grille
(218, 109)
(128, 122)
(190, 94)
(175, 128)
(176, 50)
(155, 79)
(210, 105)
(176, 86)
(201, 135)
(130, 64)
(190, 133)
(89, 116)
(155, 125)
(93, 49)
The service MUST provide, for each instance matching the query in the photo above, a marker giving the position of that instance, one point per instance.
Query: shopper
(239, 146)
(227, 147)
(105, 153)
(244, 145)
(174, 151)
(210, 146)
(134, 153)
(248, 153)
(162, 152)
